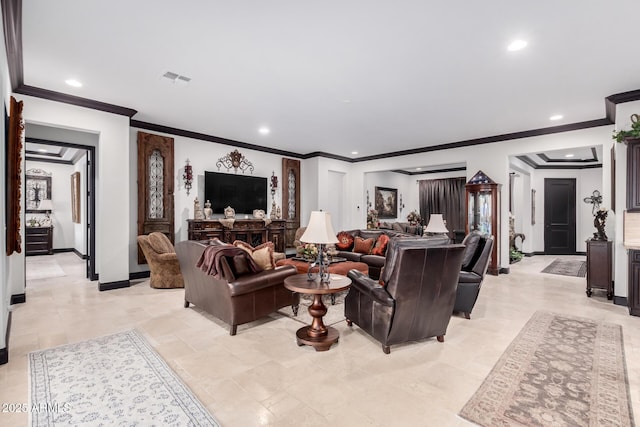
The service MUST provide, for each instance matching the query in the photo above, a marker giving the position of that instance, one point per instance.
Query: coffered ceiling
(337, 77)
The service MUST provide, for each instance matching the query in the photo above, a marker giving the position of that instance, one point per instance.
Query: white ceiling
(337, 77)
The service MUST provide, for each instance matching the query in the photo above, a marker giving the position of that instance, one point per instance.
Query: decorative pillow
(397, 227)
(345, 241)
(380, 247)
(362, 246)
(240, 265)
(262, 254)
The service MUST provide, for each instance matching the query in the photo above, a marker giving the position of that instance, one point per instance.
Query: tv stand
(253, 231)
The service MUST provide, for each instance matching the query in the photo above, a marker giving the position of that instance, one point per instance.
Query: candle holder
(187, 176)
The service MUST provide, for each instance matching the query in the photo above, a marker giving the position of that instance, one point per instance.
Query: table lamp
(436, 225)
(320, 232)
(47, 206)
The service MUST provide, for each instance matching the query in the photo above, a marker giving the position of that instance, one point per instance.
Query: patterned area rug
(43, 267)
(559, 371)
(113, 380)
(567, 267)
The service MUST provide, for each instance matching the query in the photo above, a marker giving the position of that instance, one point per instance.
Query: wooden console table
(39, 240)
(253, 231)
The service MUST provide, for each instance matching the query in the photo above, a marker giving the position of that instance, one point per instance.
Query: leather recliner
(234, 300)
(417, 298)
(477, 255)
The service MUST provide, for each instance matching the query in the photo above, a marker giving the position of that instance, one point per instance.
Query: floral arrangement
(308, 251)
(634, 132)
(372, 218)
(414, 216)
(33, 222)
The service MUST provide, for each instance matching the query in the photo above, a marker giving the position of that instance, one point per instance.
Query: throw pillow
(261, 254)
(345, 241)
(362, 246)
(380, 247)
(397, 227)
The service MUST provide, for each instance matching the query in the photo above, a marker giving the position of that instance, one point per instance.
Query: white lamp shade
(45, 205)
(319, 229)
(436, 224)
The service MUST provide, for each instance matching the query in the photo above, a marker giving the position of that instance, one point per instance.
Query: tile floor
(260, 377)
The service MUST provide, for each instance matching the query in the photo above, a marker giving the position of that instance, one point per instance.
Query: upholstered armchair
(477, 254)
(162, 260)
(416, 297)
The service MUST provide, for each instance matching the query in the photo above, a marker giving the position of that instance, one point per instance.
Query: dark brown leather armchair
(477, 254)
(417, 299)
(234, 300)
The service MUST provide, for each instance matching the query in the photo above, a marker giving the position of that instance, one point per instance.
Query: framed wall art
(37, 188)
(386, 202)
(75, 197)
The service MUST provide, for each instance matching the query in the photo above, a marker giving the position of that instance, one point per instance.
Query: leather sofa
(234, 300)
(417, 298)
(376, 262)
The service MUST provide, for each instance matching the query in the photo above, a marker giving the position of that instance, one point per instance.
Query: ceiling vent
(176, 78)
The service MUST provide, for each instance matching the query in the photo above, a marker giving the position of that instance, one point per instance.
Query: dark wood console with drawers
(39, 240)
(253, 231)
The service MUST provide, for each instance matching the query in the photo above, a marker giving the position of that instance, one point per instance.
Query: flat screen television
(243, 193)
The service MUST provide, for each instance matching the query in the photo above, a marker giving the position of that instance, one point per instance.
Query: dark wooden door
(155, 186)
(559, 216)
(290, 198)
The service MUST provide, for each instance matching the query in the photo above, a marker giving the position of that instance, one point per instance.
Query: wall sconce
(274, 184)
(401, 205)
(188, 176)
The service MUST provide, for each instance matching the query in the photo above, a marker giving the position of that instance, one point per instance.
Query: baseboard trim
(109, 286)
(620, 301)
(528, 254)
(505, 270)
(4, 352)
(80, 255)
(544, 253)
(139, 275)
(61, 250)
(18, 299)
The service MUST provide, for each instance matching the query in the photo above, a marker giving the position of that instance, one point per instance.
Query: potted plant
(634, 132)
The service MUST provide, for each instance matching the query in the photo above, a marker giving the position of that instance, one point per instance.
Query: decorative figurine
(599, 221)
(207, 210)
(197, 212)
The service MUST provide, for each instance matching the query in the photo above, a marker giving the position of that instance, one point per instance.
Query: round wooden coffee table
(317, 335)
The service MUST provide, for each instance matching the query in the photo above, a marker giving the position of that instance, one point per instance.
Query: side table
(317, 335)
(599, 254)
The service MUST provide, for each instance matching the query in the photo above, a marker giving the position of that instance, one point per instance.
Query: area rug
(42, 268)
(567, 267)
(113, 380)
(559, 371)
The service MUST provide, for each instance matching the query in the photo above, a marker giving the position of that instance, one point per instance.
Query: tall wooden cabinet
(599, 266)
(483, 213)
(633, 205)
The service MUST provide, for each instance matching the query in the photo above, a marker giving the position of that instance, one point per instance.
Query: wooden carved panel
(14, 142)
(155, 186)
(291, 198)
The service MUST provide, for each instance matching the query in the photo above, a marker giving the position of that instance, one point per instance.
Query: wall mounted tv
(243, 193)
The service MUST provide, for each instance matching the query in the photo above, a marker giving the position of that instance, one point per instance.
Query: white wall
(587, 180)
(113, 183)
(63, 227)
(407, 189)
(80, 229)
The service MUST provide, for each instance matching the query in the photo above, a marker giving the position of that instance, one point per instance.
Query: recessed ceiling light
(73, 82)
(568, 155)
(556, 117)
(264, 130)
(418, 169)
(42, 150)
(517, 45)
(354, 152)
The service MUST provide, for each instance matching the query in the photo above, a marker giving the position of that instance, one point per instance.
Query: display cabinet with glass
(483, 213)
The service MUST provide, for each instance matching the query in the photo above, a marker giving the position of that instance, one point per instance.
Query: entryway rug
(42, 267)
(567, 267)
(113, 380)
(559, 371)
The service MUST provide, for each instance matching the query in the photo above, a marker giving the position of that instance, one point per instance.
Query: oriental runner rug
(559, 371)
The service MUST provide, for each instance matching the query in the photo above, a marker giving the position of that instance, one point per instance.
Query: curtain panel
(445, 196)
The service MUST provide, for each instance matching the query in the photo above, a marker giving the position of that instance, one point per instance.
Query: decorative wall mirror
(38, 188)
